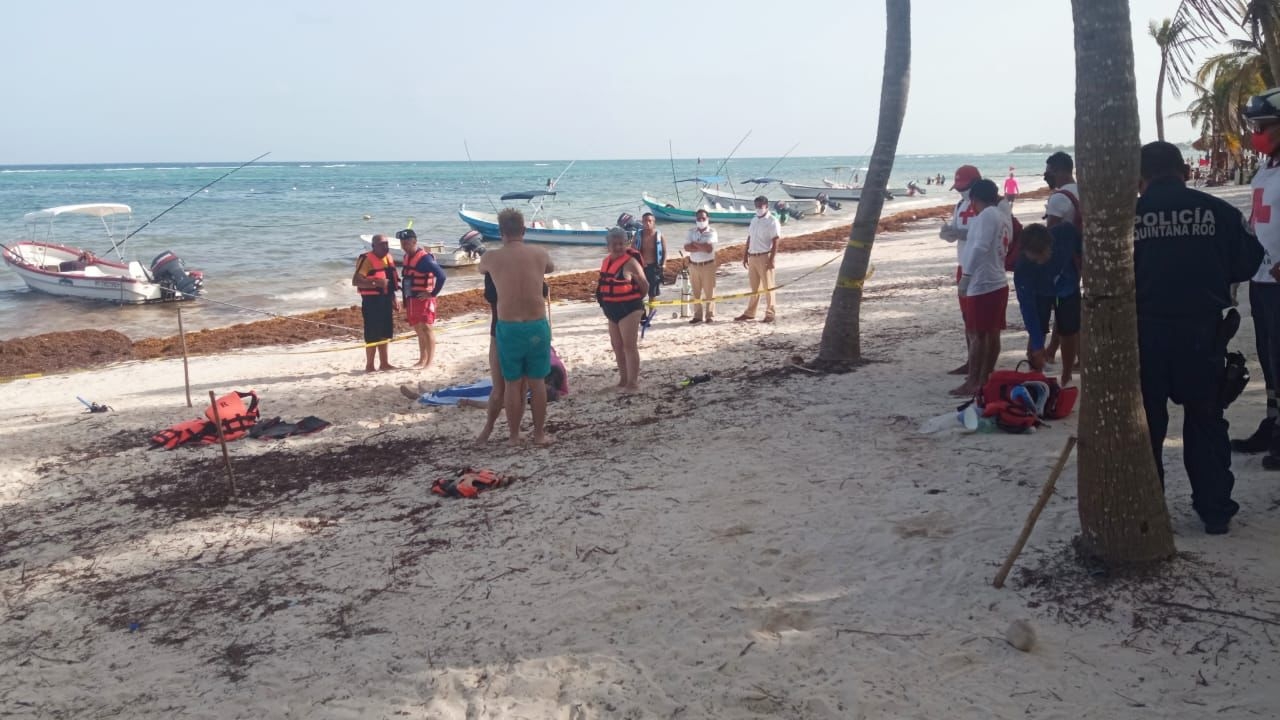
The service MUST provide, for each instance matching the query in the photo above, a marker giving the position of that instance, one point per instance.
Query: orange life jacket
(237, 417)
(614, 286)
(380, 267)
(418, 284)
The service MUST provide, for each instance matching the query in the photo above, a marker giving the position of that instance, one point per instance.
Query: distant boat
(536, 230)
(57, 269)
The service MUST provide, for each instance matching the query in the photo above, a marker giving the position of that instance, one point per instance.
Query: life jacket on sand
(469, 483)
(1019, 401)
(614, 286)
(237, 410)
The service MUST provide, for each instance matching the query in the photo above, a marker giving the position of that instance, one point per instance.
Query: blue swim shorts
(524, 349)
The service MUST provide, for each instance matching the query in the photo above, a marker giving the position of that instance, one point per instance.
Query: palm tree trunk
(1123, 518)
(1164, 66)
(841, 337)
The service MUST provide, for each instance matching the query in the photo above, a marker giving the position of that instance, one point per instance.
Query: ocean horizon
(282, 236)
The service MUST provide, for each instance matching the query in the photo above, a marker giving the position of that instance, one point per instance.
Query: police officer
(1188, 248)
(1263, 115)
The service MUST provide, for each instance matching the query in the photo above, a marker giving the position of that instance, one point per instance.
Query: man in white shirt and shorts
(983, 282)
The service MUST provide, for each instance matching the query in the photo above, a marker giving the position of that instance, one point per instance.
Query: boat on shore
(70, 271)
(465, 254)
(719, 199)
(841, 193)
(670, 213)
(536, 230)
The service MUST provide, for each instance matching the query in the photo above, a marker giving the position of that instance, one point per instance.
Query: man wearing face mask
(1263, 114)
(701, 246)
(1064, 204)
(1189, 247)
(956, 231)
(757, 258)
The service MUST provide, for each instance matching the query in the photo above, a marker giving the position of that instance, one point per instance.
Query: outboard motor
(786, 212)
(825, 201)
(472, 242)
(175, 281)
(627, 222)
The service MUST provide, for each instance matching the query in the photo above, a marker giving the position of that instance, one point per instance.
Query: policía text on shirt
(1189, 222)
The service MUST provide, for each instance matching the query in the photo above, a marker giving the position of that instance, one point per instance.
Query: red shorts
(421, 310)
(985, 313)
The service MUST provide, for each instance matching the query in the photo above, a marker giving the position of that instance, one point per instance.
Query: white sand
(763, 545)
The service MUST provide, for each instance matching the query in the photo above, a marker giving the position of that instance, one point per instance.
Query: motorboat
(465, 254)
(73, 271)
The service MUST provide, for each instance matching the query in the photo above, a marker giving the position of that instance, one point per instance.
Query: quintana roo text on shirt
(1191, 222)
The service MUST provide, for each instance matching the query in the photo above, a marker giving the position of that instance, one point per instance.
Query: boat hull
(671, 213)
(487, 225)
(39, 265)
(728, 201)
(451, 258)
(839, 194)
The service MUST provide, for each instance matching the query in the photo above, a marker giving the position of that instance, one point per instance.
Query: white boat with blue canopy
(536, 229)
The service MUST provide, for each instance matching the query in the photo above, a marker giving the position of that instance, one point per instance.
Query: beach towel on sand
(451, 395)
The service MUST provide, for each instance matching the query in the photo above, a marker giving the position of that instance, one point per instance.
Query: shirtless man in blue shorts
(523, 334)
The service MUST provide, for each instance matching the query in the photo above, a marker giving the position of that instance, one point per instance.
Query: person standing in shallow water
(376, 280)
(522, 332)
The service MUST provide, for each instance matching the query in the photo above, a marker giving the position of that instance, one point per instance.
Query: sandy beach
(772, 543)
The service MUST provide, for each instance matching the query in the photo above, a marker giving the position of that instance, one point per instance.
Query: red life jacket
(181, 433)
(418, 284)
(380, 268)
(995, 399)
(237, 418)
(614, 286)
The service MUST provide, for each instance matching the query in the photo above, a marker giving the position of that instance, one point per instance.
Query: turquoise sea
(283, 236)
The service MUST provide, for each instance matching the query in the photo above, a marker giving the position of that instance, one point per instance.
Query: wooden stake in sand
(1045, 494)
(186, 376)
(226, 456)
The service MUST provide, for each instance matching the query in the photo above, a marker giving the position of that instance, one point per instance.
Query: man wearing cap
(423, 281)
(956, 230)
(1263, 115)
(1188, 248)
(376, 280)
(762, 245)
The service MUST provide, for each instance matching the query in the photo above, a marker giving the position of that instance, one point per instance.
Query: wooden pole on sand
(226, 456)
(186, 375)
(1045, 494)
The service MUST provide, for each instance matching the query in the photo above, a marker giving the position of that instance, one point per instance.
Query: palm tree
(1176, 42)
(1260, 17)
(1123, 519)
(841, 336)
(1223, 85)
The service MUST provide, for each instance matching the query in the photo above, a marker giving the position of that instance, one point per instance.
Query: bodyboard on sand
(451, 395)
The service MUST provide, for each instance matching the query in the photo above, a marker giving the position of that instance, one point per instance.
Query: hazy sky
(152, 81)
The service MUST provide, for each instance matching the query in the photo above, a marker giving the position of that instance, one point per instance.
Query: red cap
(965, 175)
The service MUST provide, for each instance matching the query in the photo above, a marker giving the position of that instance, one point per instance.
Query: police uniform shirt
(1265, 219)
(761, 232)
(1189, 246)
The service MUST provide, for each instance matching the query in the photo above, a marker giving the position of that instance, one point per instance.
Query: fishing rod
(551, 188)
(472, 165)
(784, 157)
(731, 153)
(671, 154)
(197, 192)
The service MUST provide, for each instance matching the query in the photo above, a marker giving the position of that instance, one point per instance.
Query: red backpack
(1040, 398)
(1015, 247)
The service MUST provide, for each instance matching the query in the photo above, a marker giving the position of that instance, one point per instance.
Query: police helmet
(1263, 106)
